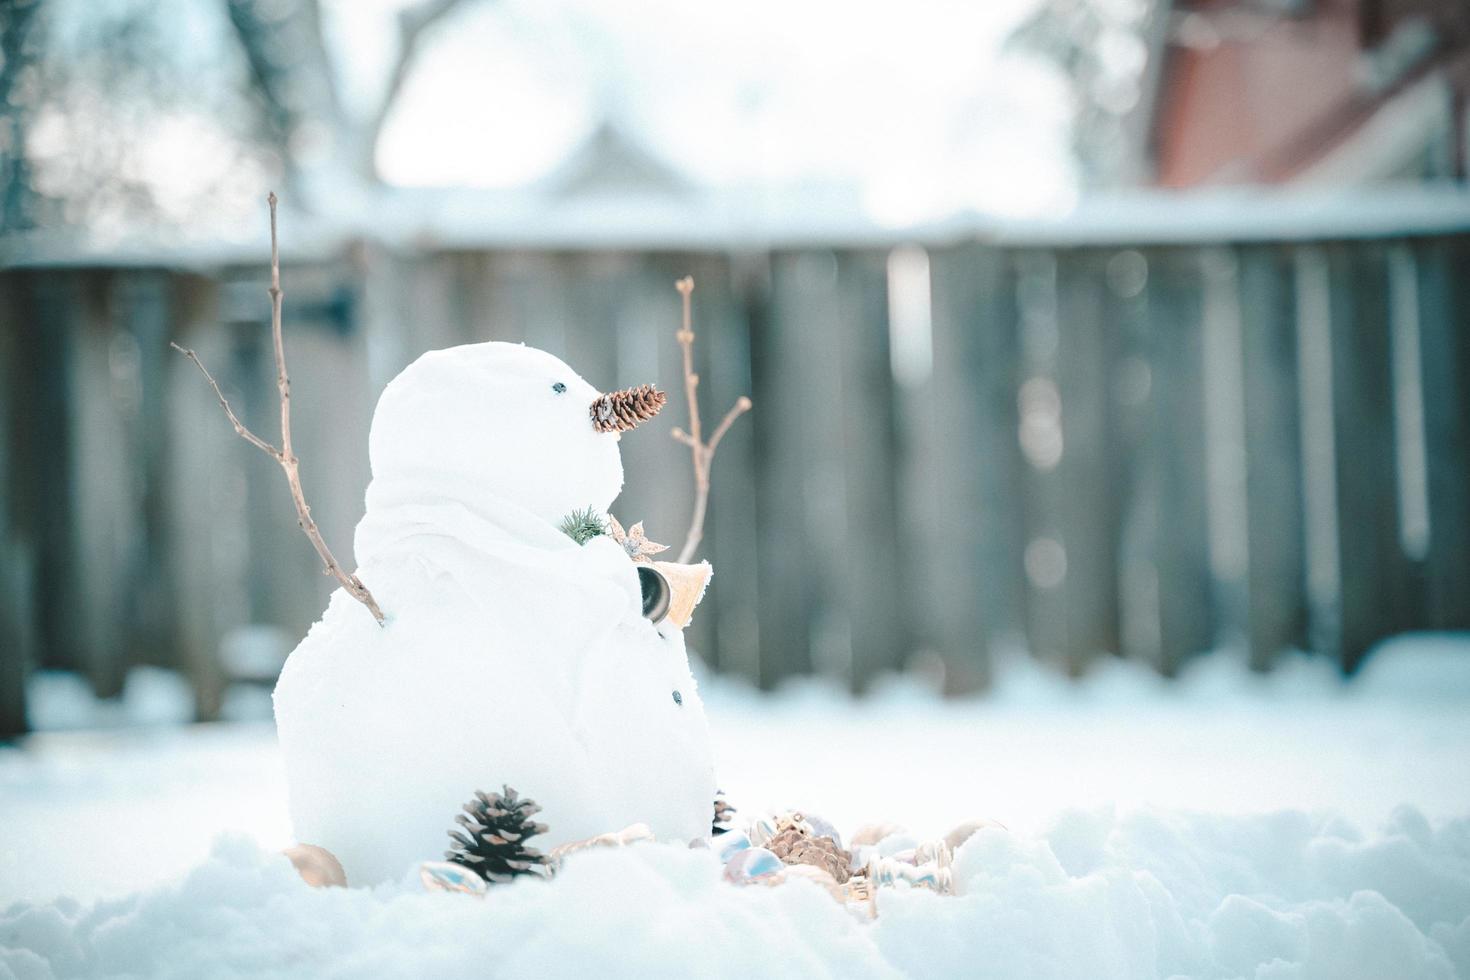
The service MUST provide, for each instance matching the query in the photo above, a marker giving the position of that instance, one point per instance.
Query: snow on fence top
(470, 220)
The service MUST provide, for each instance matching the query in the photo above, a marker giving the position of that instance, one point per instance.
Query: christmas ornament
(317, 866)
(870, 834)
(619, 411)
(754, 865)
(446, 876)
(505, 654)
(635, 834)
(967, 830)
(493, 841)
(728, 845)
(883, 871)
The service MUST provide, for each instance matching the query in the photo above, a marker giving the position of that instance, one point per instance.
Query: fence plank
(206, 494)
(732, 524)
(1276, 572)
(794, 379)
(1071, 555)
(16, 559)
(970, 565)
(1371, 566)
(1444, 333)
(874, 591)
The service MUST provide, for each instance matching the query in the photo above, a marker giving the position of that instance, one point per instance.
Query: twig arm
(701, 453)
(285, 456)
(741, 406)
(240, 428)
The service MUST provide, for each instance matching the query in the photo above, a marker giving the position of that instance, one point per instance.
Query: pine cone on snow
(493, 842)
(619, 411)
(794, 846)
(724, 815)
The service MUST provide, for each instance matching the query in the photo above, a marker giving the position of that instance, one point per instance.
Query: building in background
(1311, 92)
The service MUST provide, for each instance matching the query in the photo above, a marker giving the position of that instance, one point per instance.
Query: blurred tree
(1100, 47)
(291, 73)
(119, 114)
(18, 96)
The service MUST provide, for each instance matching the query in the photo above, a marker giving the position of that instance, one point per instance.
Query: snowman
(510, 654)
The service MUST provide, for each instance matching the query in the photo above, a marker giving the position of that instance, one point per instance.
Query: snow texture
(1094, 896)
(1223, 825)
(510, 655)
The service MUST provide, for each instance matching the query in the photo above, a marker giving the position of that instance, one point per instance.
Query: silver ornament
(445, 876)
(761, 830)
(821, 828)
(754, 865)
(728, 845)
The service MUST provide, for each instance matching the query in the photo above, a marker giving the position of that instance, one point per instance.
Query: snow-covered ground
(1224, 826)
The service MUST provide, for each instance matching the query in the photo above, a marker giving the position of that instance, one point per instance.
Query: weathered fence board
(1276, 565)
(1443, 269)
(1372, 573)
(971, 566)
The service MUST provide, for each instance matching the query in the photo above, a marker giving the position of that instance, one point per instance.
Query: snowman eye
(679, 699)
(559, 388)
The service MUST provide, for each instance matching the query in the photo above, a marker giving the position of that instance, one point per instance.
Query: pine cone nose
(619, 411)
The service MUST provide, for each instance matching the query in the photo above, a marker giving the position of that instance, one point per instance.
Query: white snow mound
(1097, 895)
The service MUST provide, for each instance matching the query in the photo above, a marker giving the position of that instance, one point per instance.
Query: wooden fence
(1144, 450)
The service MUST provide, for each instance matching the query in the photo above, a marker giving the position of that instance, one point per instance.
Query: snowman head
(502, 421)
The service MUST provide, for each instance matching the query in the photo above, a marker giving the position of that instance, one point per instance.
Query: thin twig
(240, 428)
(285, 456)
(702, 453)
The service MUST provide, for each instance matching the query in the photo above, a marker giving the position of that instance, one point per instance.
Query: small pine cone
(724, 818)
(793, 846)
(493, 841)
(619, 411)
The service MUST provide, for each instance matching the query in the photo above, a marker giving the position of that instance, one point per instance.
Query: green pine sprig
(583, 525)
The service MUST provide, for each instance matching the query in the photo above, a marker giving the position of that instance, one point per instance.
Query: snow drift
(1097, 895)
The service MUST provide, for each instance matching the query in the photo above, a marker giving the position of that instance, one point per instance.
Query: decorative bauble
(967, 830)
(317, 866)
(869, 835)
(632, 834)
(728, 845)
(761, 830)
(817, 876)
(883, 871)
(446, 876)
(754, 865)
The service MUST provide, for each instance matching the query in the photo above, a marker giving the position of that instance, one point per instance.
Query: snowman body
(510, 654)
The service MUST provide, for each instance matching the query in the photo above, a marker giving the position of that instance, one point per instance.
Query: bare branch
(741, 406)
(240, 428)
(702, 453)
(285, 456)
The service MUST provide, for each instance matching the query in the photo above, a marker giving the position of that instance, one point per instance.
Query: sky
(912, 109)
(912, 104)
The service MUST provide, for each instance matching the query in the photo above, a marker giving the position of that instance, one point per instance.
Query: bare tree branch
(286, 456)
(702, 453)
(240, 429)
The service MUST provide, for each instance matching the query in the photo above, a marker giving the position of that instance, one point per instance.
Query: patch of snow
(1095, 896)
(1227, 824)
